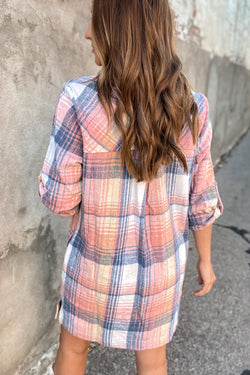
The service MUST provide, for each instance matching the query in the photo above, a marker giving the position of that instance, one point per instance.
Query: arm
(60, 181)
(206, 276)
(202, 240)
(205, 205)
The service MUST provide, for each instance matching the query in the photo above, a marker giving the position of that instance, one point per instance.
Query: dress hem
(60, 313)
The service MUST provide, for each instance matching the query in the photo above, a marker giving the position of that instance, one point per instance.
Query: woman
(129, 160)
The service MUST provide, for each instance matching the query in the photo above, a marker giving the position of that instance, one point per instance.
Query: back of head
(142, 72)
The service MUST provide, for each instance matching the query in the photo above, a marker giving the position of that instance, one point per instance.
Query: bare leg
(152, 361)
(72, 355)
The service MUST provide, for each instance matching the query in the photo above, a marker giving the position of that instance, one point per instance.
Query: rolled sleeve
(60, 180)
(205, 204)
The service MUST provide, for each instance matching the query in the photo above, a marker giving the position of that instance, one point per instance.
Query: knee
(72, 344)
(151, 360)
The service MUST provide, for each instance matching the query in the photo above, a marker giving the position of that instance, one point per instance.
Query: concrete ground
(213, 336)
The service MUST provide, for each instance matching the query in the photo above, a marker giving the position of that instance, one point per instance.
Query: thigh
(72, 343)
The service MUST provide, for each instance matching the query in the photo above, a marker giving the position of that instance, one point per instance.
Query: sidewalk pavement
(213, 336)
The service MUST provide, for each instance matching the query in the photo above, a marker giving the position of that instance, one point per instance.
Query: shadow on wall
(246, 372)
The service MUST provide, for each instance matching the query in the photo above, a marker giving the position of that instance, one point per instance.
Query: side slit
(58, 307)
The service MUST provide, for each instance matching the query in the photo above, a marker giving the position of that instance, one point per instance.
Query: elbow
(204, 208)
(63, 208)
(61, 201)
(68, 212)
(201, 219)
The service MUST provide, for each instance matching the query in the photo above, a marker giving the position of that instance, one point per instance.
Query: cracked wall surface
(43, 46)
(219, 27)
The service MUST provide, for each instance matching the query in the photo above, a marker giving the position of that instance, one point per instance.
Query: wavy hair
(141, 72)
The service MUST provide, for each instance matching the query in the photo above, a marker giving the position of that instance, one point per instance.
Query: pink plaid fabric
(125, 261)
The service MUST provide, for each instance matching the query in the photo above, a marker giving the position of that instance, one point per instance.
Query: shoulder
(201, 101)
(203, 107)
(186, 140)
(205, 126)
(76, 87)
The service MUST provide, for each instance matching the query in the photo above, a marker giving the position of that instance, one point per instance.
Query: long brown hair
(142, 72)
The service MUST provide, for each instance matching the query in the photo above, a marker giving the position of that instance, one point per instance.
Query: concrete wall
(219, 27)
(214, 43)
(227, 86)
(42, 46)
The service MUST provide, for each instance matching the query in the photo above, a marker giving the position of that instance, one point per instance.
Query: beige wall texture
(214, 43)
(219, 27)
(42, 46)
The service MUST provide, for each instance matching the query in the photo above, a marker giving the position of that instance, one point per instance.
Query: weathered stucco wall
(219, 27)
(227, 87)
(42, 46)
(214, 43)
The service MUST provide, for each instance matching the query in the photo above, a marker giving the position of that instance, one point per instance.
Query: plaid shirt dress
(125, 260)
